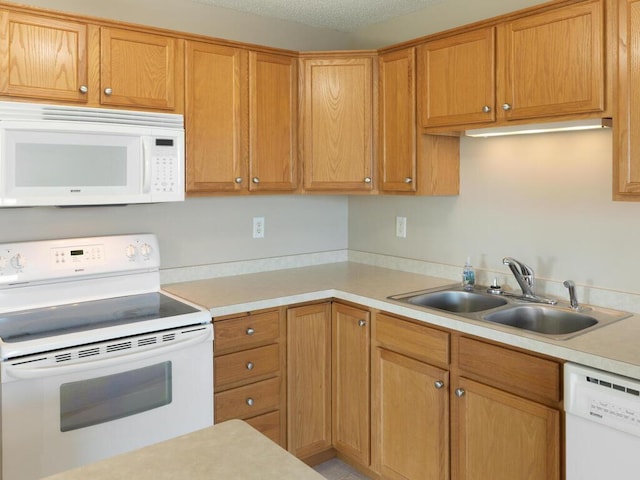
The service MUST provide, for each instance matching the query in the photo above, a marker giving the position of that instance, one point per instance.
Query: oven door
(75, 406)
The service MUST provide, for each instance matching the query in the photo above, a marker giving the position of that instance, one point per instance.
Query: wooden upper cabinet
(215, 118)
(273, 103)
(337, 118)
(140, 70)
(457, 75)
(553, 63)
(42, 57)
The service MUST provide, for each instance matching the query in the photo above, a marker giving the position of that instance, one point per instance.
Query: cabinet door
(273, 122)
(456, 77)
(215, 118)
(309, 379)
(553, 63)
(338, 124)
(350, 381)
(43, 57)
(410, 422)
(140, 70)
(397, 104)
(501, 436)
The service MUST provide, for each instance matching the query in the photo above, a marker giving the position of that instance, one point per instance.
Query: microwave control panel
(166, 171)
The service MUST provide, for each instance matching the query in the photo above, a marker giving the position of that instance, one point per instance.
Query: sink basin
(542, 319)
(457, 301)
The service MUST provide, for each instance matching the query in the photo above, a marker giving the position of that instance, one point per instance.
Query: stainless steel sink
(457, 301)
(558, 322)
(542, 319)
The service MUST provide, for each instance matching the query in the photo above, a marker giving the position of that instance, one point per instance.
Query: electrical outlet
(258, 227)
(401, 227)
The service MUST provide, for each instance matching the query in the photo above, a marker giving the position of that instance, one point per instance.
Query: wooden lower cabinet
(309, 379)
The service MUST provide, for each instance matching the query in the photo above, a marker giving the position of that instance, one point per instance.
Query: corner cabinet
(241, 123)
(541, 65)
(337, 112)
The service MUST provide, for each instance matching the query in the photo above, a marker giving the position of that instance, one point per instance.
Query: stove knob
(146, 250)
(18, 261)
(131, 251)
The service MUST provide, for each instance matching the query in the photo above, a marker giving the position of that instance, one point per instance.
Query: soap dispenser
(468, 276)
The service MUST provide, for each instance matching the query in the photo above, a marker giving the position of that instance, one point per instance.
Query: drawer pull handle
(83, 89)
(250, 401)
(460, 392)
(108, 91)
(362, 323)
(439, 384)
(250, 331)
(250, 366)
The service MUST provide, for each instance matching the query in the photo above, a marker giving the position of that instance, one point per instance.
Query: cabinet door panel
(553, 62)
(215, 118)
(350, 392)
(411, 418)
(457, 79)
(272, 130)
(140, 69)
(42, 57)
(309, 379)
(338, 124)
(501, 436)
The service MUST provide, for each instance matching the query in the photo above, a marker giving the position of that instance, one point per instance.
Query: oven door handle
(22, 371)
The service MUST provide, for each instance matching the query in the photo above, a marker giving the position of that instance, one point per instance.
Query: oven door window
(98, 400)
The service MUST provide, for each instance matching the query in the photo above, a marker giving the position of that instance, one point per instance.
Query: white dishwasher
(602, 424)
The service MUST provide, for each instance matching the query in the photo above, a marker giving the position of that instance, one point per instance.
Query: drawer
(246, 332)
(418, 341)
(516, 372)
(269, 425)
(247, 365)
(248, 401)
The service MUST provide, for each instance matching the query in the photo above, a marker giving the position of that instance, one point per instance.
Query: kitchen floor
(335, 469)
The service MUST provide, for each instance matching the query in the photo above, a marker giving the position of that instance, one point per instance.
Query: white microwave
(60, 155)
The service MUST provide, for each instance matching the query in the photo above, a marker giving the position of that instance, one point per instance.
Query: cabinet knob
(408, 180)
(83, 89)
(439, 384)
(249, 365)
(238, 180)
(486, 109)
(255, 180)
(108, 91)
(367, 179)
(362, 323)
(250, 331)
(460, 392)
(506, 107)
(250, 401)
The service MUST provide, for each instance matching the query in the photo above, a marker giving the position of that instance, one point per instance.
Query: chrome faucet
(526, 280)
(573, 299)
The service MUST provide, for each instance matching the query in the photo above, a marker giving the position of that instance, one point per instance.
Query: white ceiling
(342, 15)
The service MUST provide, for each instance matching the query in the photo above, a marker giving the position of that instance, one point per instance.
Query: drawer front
(246, 365)
(417, 341)
(516, 372)
(269, 425)
(246, 332)
(248, 401)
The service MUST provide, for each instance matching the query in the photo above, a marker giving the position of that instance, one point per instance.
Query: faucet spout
(523, 274)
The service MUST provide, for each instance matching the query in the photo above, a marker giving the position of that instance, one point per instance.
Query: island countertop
(227, 450)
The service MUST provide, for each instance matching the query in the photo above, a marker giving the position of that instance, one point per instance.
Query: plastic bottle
(468, 276)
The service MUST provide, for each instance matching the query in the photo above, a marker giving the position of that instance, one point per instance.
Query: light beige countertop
(228, 450)
(615, 348)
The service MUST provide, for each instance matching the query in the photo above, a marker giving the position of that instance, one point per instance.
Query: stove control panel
(55, 260)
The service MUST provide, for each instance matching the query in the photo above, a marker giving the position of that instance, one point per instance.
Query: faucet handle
(573, 299)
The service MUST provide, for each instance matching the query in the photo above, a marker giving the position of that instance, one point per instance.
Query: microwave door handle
(146, 165)
(21, 372)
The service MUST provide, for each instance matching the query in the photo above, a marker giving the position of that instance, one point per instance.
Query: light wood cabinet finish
(247, 401)
(267, 424)
(501, 436)
(42, 57)
(458, 82)
(141, 70)
(309, 379)
(247, 332)
(273, 139)
(350, 381)
(247, 365)
(337, 123)
(626, 127)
